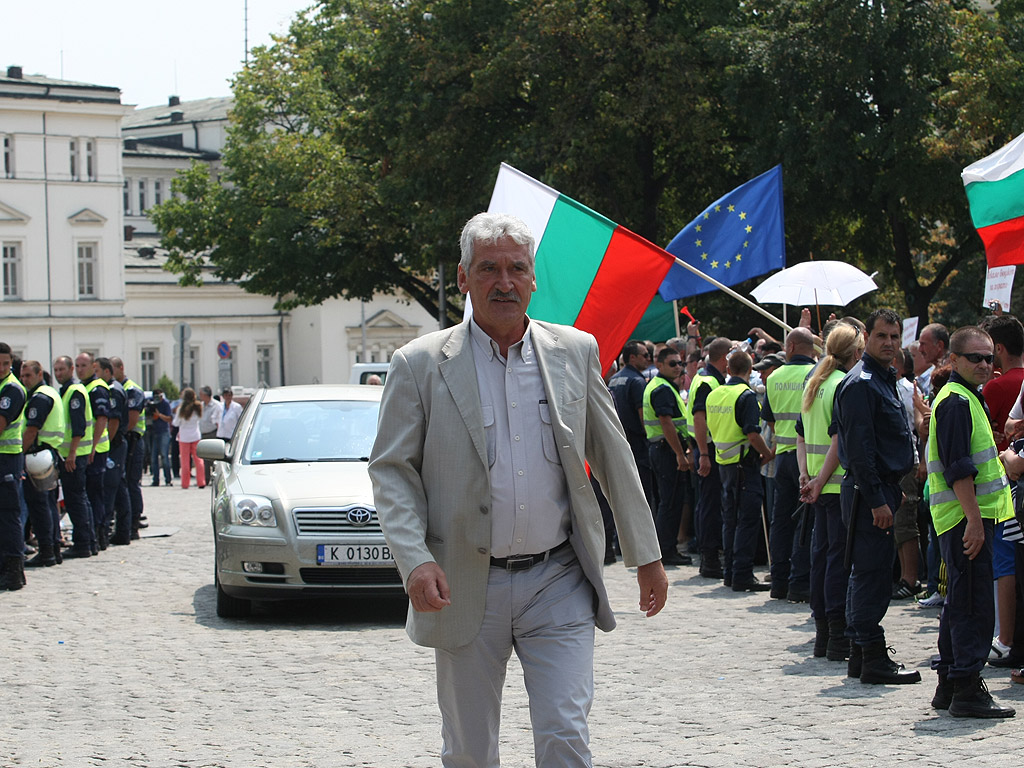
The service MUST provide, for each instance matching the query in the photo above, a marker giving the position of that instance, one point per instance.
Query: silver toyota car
(293, 513)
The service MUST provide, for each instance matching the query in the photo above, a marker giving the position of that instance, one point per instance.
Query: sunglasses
(675, 363)
(975, 357)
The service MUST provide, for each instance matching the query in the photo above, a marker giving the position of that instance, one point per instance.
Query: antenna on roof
(245, 25)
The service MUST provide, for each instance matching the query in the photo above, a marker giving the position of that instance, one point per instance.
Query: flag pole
(756, 307)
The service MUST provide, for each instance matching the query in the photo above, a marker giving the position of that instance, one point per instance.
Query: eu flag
(737, 237)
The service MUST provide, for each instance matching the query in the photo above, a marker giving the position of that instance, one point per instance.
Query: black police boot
(780, 590)
(838, 648)
(879, 669)
(711, 564)
(856, 662)
(14, 573)
(820, 637)
(44, 557)
(972, 699)
(943, 693)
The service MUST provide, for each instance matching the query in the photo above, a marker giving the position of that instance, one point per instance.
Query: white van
(362, 371)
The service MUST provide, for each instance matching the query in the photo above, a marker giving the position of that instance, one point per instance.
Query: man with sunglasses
(627, 388)
(968, 495)
(665, 426)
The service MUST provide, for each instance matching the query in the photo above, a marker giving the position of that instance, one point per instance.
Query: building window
(127, 197)
(192, 367)
(8, 157)
(73, 157)
(157, 192)
(264, 356)
(87, 270)
(10, 267)
(142, 197)
(90, 160)
(148, 359)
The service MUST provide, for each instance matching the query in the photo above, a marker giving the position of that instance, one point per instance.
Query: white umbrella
(834, 283)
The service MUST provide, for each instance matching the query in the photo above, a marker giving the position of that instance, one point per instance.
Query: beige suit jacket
(431, 483)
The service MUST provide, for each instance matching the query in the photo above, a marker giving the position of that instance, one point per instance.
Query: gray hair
(489, 228)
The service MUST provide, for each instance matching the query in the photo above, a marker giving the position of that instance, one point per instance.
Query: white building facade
(81, 268)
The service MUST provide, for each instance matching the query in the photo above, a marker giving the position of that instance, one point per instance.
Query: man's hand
(69, 462)
(1013, 463)
(653, 587)
(682, 464)
(922, 471)
(809, 493)
(704, 465)
(428, 588)
(805, 318)
(974, 538)
(882, 516)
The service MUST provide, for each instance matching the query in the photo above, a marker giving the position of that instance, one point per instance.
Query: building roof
(15, 84)
(142, 148)
(199, 110)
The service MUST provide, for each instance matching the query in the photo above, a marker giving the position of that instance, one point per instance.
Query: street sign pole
(182, 333)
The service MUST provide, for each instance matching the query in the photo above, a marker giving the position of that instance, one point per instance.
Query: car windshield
(318, 430)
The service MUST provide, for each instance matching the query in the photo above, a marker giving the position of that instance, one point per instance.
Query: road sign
(182, 332)
(224, 350)
(224, 374)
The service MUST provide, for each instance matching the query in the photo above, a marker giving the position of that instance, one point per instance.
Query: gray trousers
(546, 614)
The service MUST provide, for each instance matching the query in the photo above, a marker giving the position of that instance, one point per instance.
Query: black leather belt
(525, 562)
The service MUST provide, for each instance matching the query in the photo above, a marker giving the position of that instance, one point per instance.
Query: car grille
(377, 576)
(335, 521)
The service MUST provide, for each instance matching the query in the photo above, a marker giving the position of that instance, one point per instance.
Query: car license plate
(354, 553)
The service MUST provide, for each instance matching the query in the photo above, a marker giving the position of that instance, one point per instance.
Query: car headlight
(253, 510)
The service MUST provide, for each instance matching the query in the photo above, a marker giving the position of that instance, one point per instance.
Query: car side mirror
(212, 448)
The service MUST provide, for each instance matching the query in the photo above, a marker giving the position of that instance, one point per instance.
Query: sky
(148, 49)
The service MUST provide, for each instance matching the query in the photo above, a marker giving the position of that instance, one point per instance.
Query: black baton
(851, 527)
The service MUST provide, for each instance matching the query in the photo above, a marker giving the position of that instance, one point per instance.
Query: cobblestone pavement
(121, 660)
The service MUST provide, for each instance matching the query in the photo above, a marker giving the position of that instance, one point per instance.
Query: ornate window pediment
(87, 216)
(9, 215)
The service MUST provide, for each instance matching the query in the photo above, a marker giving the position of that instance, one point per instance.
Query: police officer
(117, 430)
(784, 389)
(734, 417)
(75, 449)
(665, 427)
(821, 476)
(876, 451)
(99, 401)
(44, 432)
(129, 506)
(12, 535)
(968, 495)
(708, 515)
(627, 387)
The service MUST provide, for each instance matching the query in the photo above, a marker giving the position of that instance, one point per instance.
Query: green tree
(363, 139)
(874, 108)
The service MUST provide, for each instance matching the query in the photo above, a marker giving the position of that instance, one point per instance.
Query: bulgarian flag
(995, 191)
(591, 273)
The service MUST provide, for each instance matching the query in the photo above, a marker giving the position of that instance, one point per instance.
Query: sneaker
(934, 600)
(902, 590)
(998, 652)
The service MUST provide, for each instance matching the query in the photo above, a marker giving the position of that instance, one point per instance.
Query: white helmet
(39, 464)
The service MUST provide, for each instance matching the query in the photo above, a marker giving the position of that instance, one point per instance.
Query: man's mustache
(507, 295)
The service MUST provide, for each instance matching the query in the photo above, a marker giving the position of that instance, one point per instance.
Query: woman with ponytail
(820, 476)
(186, 419)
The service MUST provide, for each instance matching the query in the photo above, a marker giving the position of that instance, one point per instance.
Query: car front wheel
(229, 607)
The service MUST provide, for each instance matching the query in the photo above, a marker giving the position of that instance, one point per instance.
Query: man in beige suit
(480, 486)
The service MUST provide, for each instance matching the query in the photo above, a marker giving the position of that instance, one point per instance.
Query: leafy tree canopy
(364, 138)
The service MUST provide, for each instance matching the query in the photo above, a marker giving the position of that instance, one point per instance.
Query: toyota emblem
(360, 516)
